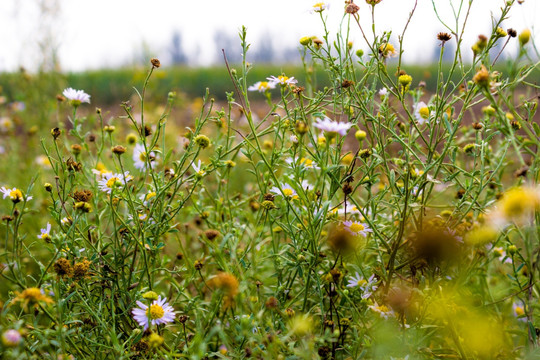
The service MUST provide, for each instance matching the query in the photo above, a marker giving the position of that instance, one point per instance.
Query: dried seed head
(512, 32)
(272, 303)
(198, 264)
(62, 267)
(118, 149)
(82, 195)
(481, 78)
(80, 269)
(211, 234)
(352, 8)
(56, 133)
(444, 37)
(347, 83)
(477, 126)
(147, 130)
(155, 63)
(76, 149)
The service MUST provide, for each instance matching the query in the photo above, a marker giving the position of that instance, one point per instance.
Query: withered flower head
(56, 133)
(226, 282)
(272, 303)
(155, 63)
(72, 165)
(118, 149)
(352, 8)
(435, 243)
(62, 267)
(80, 269)
(444, 37)
(82, 195)
(211, 234)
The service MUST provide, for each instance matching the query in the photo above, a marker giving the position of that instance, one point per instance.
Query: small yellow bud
(524, 37)
(305, 41)
(360, 135)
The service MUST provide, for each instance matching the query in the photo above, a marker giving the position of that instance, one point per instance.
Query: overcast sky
(111, 33)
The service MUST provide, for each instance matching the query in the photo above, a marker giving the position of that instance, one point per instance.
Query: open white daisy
(6, 125)
(332, 127)
(45, 233)
(159, 312)
(357, 228)
(14, 194)
(383, 310)
(367, 286)
(288, 191)
(319, 7)
(304, 162)
(76, 97)
(421, 113)
(110, 180)
(262, 86)
(281, 80)
(141, 158)
(198, 168)
(148, 197)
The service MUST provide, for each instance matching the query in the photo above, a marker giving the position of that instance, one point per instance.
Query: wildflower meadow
(343, 210)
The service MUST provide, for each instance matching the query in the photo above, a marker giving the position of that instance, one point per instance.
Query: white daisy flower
(159, 312)
(519, 311)
(66, 221)
(141, 158)
(304, 162)
(357, 228)
(319, 7)
(43, 161)
(421, 113)
(282, 80)
(367, 286)
(383, 92)
(109, 180)
(14, 194)
(332, 127)
(197, 168)
(5, 124)
(288, 191)
(45, 233)
(18, 106)
(383, 310)
(294, 139)
(262, 86)
(306, 185)
(76, 97)
(501, 254)
(147, 198)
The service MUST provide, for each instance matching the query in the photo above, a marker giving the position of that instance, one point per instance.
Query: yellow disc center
(156, 311)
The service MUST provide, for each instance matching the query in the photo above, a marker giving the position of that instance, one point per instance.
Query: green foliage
(349, 213)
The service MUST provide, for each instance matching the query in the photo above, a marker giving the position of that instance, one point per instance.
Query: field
(352, 207)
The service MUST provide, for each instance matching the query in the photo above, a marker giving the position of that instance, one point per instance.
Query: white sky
(107, 33)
